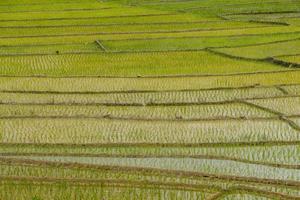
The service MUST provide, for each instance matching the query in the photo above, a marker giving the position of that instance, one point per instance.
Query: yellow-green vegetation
(129, 64)
(291, 59)
(149, 99)
(264, 50)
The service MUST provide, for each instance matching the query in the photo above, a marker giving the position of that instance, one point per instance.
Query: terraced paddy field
(149, 99)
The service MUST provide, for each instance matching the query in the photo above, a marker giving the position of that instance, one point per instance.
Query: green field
(150, 99)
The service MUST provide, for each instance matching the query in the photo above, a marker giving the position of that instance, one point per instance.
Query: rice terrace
(149, 99)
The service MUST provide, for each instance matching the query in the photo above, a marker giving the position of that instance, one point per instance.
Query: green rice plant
(63, 191)
(129, 64)
(95, 84)
(40, 169)
(122, 20)
(264, 51)
(49, 7)
(75, 172)
(87, 175)
(267, 17)
(209, 166)
(121, 11)
(192, 112)
(88, 131)
(94, 174)
(245, 36)
(33, 2)
(278, 154)
(143, 98)
(152, 112)
(264, 7)
(119, 28)
(50, 49)
(190, 43)
(212, 8)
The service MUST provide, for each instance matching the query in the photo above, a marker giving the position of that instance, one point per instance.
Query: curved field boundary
(80, 18)
(254, 45)
(223, 5)
(52, 3)
(270, 23)
(233, 144)
(252, 191)
(280, 115)
(262, 87)
(297, 54)
(263, 13)
(142, 91)
(276, 113)
(63, 10)
(139, 91)
(241, 100)
(112, 183)
(142, 39)
(146, 119)
(187, 174)
(104, 49)
(159, 76)
(287, 64)
(268, 59)
(42, 45)
(151, 184)
(210, 157)
(214, 36)
(284, 92)
(113, 24)
(130, 52)
(197, 9)
(132, 32)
